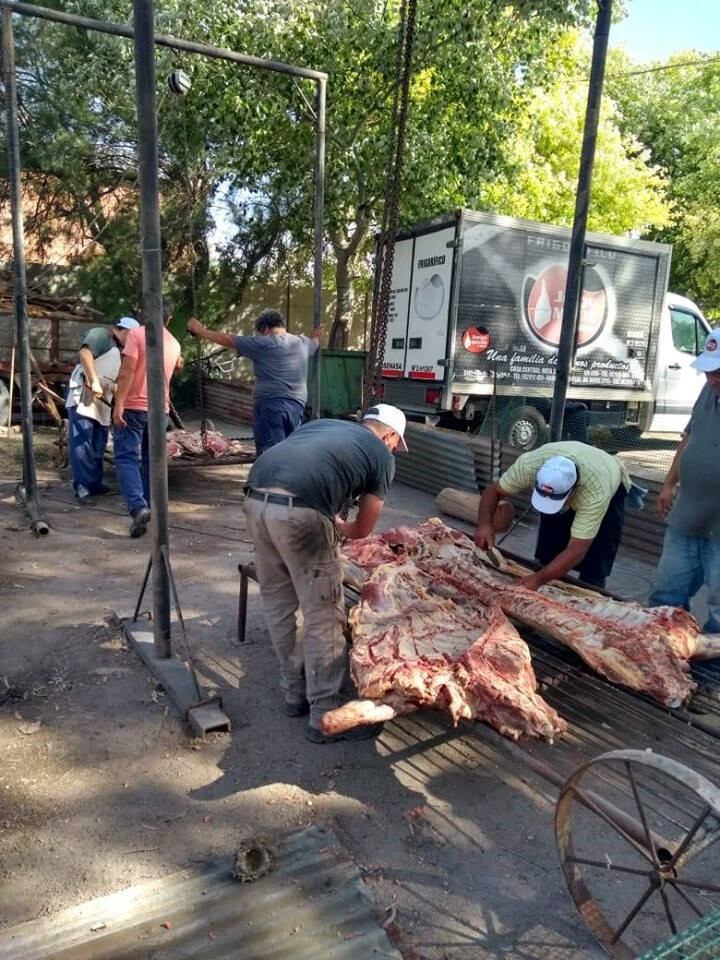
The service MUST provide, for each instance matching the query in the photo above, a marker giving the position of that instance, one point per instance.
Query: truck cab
(682, 334)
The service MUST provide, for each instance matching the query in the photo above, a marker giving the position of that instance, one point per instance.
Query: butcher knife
(493, 555)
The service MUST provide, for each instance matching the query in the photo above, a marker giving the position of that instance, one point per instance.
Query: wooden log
(464, 504)
(458, 503)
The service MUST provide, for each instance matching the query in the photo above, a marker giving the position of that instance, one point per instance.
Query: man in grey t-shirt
(691, 549)
(294, 493)
(280, 360)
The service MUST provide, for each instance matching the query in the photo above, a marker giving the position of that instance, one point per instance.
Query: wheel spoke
(641, 811)
(686, 898)
(633, 913)
(592, 806)
(689, 835)
(668, 914)
(696, 884)
(608, 865)
(697, 848)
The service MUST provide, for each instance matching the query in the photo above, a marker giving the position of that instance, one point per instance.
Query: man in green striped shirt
(579, 492)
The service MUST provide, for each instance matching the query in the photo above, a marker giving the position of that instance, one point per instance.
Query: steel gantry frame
(145, 41)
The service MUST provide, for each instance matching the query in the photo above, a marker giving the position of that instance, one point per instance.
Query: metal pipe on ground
(27, 491)
(144, 18)
(573, 288)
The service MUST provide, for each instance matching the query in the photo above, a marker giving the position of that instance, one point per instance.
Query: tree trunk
(340, 331)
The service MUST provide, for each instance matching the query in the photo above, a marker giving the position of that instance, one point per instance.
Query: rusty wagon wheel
(635, 833)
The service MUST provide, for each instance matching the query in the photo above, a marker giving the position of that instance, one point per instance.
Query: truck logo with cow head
(544, 296)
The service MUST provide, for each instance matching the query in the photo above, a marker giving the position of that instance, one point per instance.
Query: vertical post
(153, 314)
(320, 98)
(29, 485)
(573, 288)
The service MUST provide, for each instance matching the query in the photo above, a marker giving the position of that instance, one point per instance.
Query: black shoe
(315, 735)
(101, 491)
(140, 521)
(296, 708)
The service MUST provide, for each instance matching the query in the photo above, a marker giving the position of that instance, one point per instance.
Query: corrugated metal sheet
(313, 905)
(228, 401)
(437, 458)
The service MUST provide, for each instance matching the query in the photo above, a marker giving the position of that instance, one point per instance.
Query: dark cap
(268, 320)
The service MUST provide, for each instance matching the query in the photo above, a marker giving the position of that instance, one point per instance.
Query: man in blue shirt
(280, 361)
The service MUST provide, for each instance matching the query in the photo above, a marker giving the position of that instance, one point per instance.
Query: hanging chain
(391, 211)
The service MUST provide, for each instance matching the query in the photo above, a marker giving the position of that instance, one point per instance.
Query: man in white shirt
(90, 393)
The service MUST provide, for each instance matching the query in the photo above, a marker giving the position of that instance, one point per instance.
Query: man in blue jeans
(89, 395)
(691, 550)
(130, 436)
(280, 361)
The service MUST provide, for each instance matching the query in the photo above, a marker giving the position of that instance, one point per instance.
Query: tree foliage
(672, 110)
(628, 194)
(491, 89)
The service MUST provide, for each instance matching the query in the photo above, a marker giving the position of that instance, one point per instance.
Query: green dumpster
(341, 379)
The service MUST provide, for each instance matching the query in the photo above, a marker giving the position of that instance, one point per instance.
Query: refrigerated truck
(475, 311)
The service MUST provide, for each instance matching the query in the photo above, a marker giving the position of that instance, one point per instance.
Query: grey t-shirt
(327, 464)
(98, 341)
(695, 512)
(280, 362)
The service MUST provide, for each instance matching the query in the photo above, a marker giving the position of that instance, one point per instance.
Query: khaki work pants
(299, 569)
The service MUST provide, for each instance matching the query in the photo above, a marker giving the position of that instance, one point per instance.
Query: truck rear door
(429, 308)
(419, 307)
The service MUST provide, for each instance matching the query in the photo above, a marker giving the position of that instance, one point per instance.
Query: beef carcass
(644, 649)
(211, 444)
(416, 644)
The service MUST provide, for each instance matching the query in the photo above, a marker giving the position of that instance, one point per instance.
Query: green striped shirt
(600, 476)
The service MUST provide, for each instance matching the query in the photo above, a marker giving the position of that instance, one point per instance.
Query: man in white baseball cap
(389, 416)
(579, 492)
(688, 500)
(709, 359)
(295, 495)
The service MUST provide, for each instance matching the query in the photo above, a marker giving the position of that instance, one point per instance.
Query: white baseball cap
(553, 484)
(390, 416)
(709, 359)
(127, 323)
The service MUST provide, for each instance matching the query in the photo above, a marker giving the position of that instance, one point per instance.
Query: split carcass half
(645, 649)
(416, 644)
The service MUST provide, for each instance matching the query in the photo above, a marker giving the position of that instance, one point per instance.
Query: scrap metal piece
(254, 858)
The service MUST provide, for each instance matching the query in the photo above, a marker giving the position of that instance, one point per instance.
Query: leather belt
(281, 499)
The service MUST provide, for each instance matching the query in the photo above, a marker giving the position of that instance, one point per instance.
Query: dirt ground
(101, 786)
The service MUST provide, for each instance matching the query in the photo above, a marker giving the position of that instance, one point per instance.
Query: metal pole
(573, 289)
(320, 98)
(28, 489)
(161, 39)
(153, 314)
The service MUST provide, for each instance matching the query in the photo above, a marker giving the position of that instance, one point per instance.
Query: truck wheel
(526, 429)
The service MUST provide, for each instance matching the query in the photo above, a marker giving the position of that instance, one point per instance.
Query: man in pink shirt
(130, 420)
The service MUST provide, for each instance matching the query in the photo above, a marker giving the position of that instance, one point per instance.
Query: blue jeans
(685, 565)
(86, 446)
(275, 418)
(132, 460)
